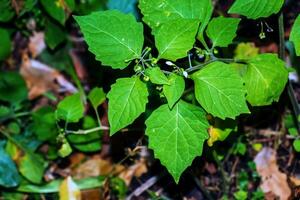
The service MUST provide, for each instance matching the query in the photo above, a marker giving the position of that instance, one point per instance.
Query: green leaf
(53, 186)
(175, 44)
(28, 6)
(177, 136)
(220, 130)
(157, 76)
(241, 195)
(84, 138)
(5, 44)
(32, 167)
(44, 124)
(255, 9)
(70, 109)
(59, 59)
(115, 38)
(86, 7)
(125, 6)
(245, 51)
(54, 34)
(58, 10)
(174, 90)
(240, 148)
(65, 149)
(96, 97)
(220, 34)
(265, 79)
(158, 12)
(86, 142)
(220, 91)
(7, 12)
(10, 176)
(295, 35)
(127, 100)
(12, 81)
(296, 145)
(4, 111)
(13, 128)
(89, 147)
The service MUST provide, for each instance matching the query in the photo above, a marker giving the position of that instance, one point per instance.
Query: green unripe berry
(138, 68)
(146, 78)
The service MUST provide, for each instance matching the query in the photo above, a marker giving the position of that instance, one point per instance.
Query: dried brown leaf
(41, 78)
(272, 180)
(36, 44)
(97, 167)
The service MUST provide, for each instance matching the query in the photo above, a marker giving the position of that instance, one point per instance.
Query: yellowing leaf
(68, 190)
(246, 51)
(220, 130)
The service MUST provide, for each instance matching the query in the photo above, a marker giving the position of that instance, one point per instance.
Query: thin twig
(202, 188)
(83, 132)
(13, 116)
(145, 186)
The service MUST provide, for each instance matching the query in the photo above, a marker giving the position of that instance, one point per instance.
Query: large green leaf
(70, 109)
(7, 12)
(255, 9)
(8, 170)
(32, 166)
(12, 81)
(220, 90)
(127, 100)
(174, 90)
(115, 38)
(177, 136)
(158, 12)
(220, 34)
(5, 44)
(156, 76)
(175, 44)
(58, 10)
(295, 35)
(265, 79)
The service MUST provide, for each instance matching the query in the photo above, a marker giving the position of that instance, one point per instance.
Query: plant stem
(15, 115)
(13, 140)
(83, 132)
(202, 188)
(214, 59)
(197, 67)
(225, 180)
(281, 36)
(281, 55)
(98, 117)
